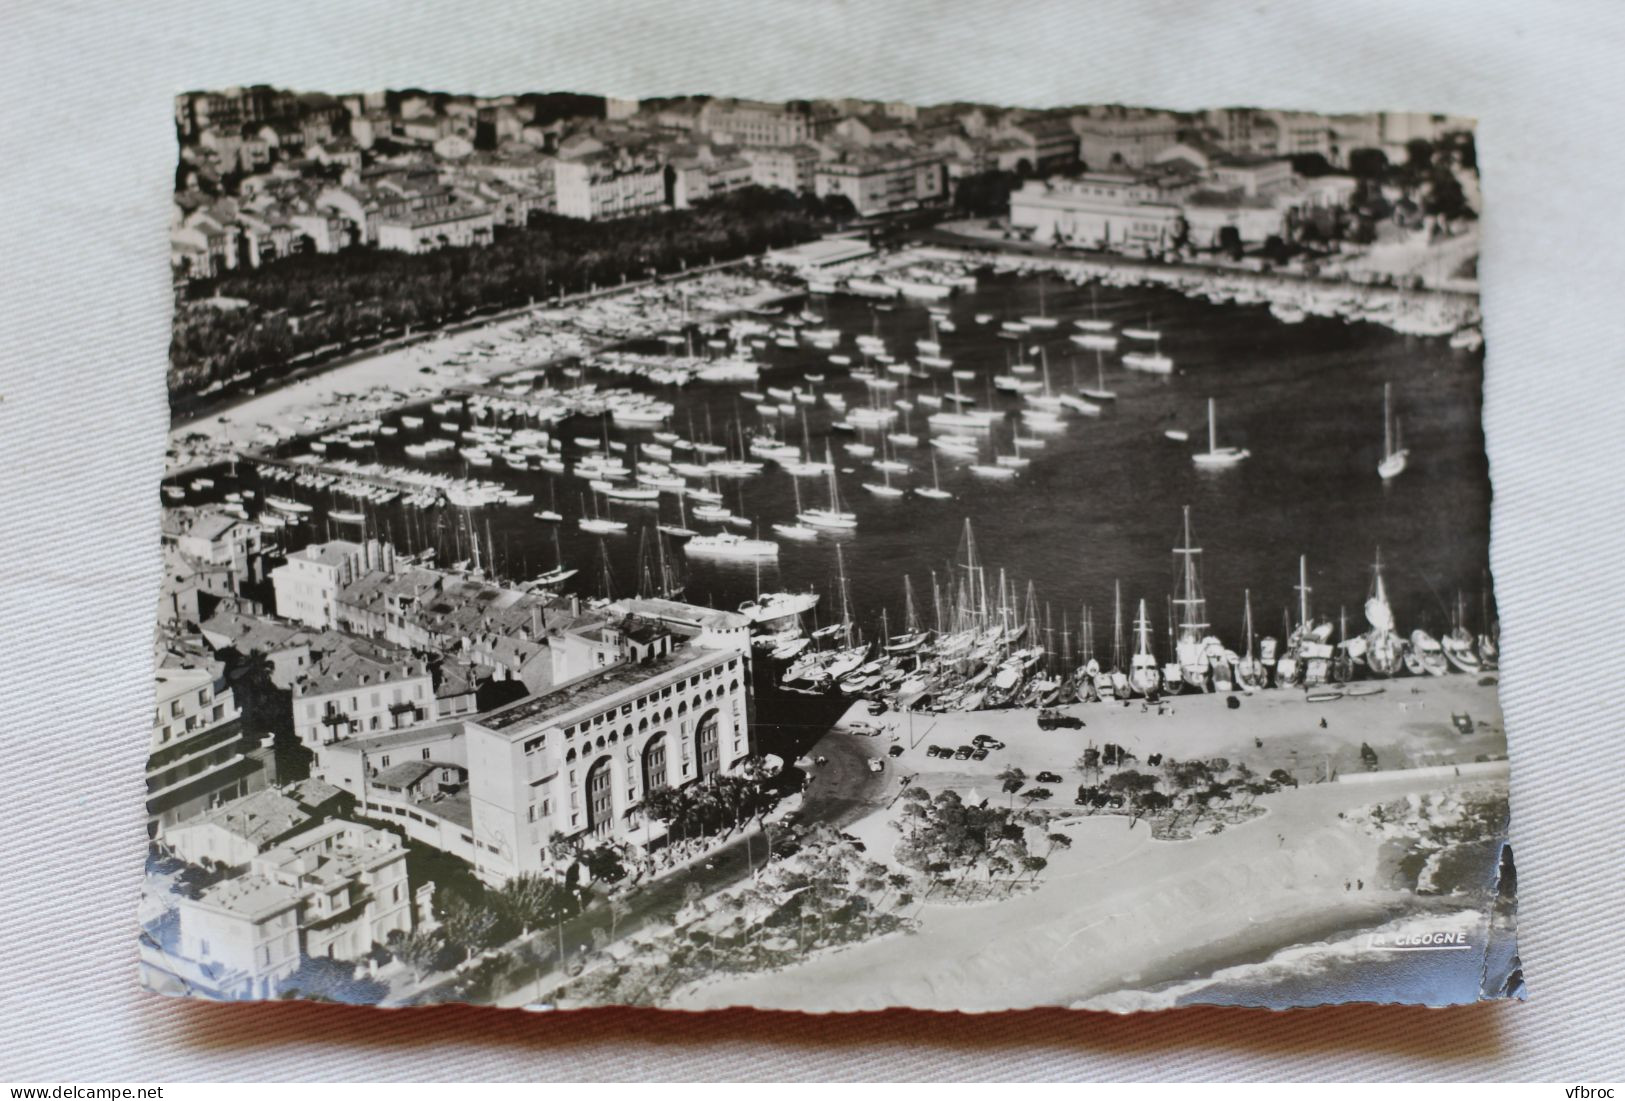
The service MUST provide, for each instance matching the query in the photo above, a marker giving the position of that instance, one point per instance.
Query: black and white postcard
(824, 555)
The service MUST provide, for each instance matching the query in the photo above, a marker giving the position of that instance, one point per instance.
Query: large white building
(879, 181)
(452, 226)
(360, 689)
(307, 585)
(751, 122)
(574, 761)
(599, 186)
(1102, 209)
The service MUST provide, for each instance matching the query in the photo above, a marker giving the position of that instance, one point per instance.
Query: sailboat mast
(1387, 424)
(1303, 589)
(1212, 430)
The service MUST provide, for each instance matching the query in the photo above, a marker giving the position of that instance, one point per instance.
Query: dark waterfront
(1101, 501)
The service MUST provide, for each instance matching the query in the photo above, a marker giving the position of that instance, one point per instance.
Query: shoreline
(398, 379)
(1230, 899)
(1444, 311)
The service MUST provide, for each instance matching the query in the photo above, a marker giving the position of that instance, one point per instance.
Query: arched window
(709, 743)
(654, 763)
(600, 798)
(570, 756)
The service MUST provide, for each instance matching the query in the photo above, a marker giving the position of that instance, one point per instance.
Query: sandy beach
(1277, 880)
(1120, 910)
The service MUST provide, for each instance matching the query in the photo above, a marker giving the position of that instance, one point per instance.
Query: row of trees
(322, 303)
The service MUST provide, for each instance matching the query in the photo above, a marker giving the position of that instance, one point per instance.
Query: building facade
(572, 763)
(358, 690)
(750, 122)
(454, 226)
(880, 181)
(307, 585)
(595, 188)
(199, 756)
(1100, 209)
(1114, 142)
(332, 892)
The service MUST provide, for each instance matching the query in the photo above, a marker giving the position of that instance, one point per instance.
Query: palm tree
(1012, 778)
(418, 950)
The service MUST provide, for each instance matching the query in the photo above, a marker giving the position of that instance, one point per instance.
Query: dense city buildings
(267, 174)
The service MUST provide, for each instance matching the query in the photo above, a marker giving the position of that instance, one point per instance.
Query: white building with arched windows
(573, 762)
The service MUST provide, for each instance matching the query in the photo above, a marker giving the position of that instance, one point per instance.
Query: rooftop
(357, 664)
(259, 818)
(407, 739)
(584, 691)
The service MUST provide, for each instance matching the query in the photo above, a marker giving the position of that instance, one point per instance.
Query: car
(1049, 719)
(895, 751)
(963, 753)
(876, 764)
(937, 751)
(987, 741)
(863, 730)
(1048, 778)
(877, 707)
(978, 755)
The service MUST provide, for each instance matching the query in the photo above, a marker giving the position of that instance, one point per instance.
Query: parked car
(876, 764)
(1049, 719)
(863, 730)
(1048, 778)
(978, 755)
(963, 753)
(895, 751)
(877, 707)
(937, 751)
(987, 741)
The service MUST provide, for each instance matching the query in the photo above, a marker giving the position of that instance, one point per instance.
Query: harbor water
(1099, 502)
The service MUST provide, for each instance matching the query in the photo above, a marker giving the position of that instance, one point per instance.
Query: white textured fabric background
(87, 165)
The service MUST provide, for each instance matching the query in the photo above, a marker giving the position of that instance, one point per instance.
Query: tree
(419, 950)
(1310, 164)
(468, 926)
(1035, 795)
(1418, 157)
(528, 901)
(1151, 802)
(1034, 864)
(1010, 780)
(1368, 164)
(604, 863)
(839, 208)
(1058, 841)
